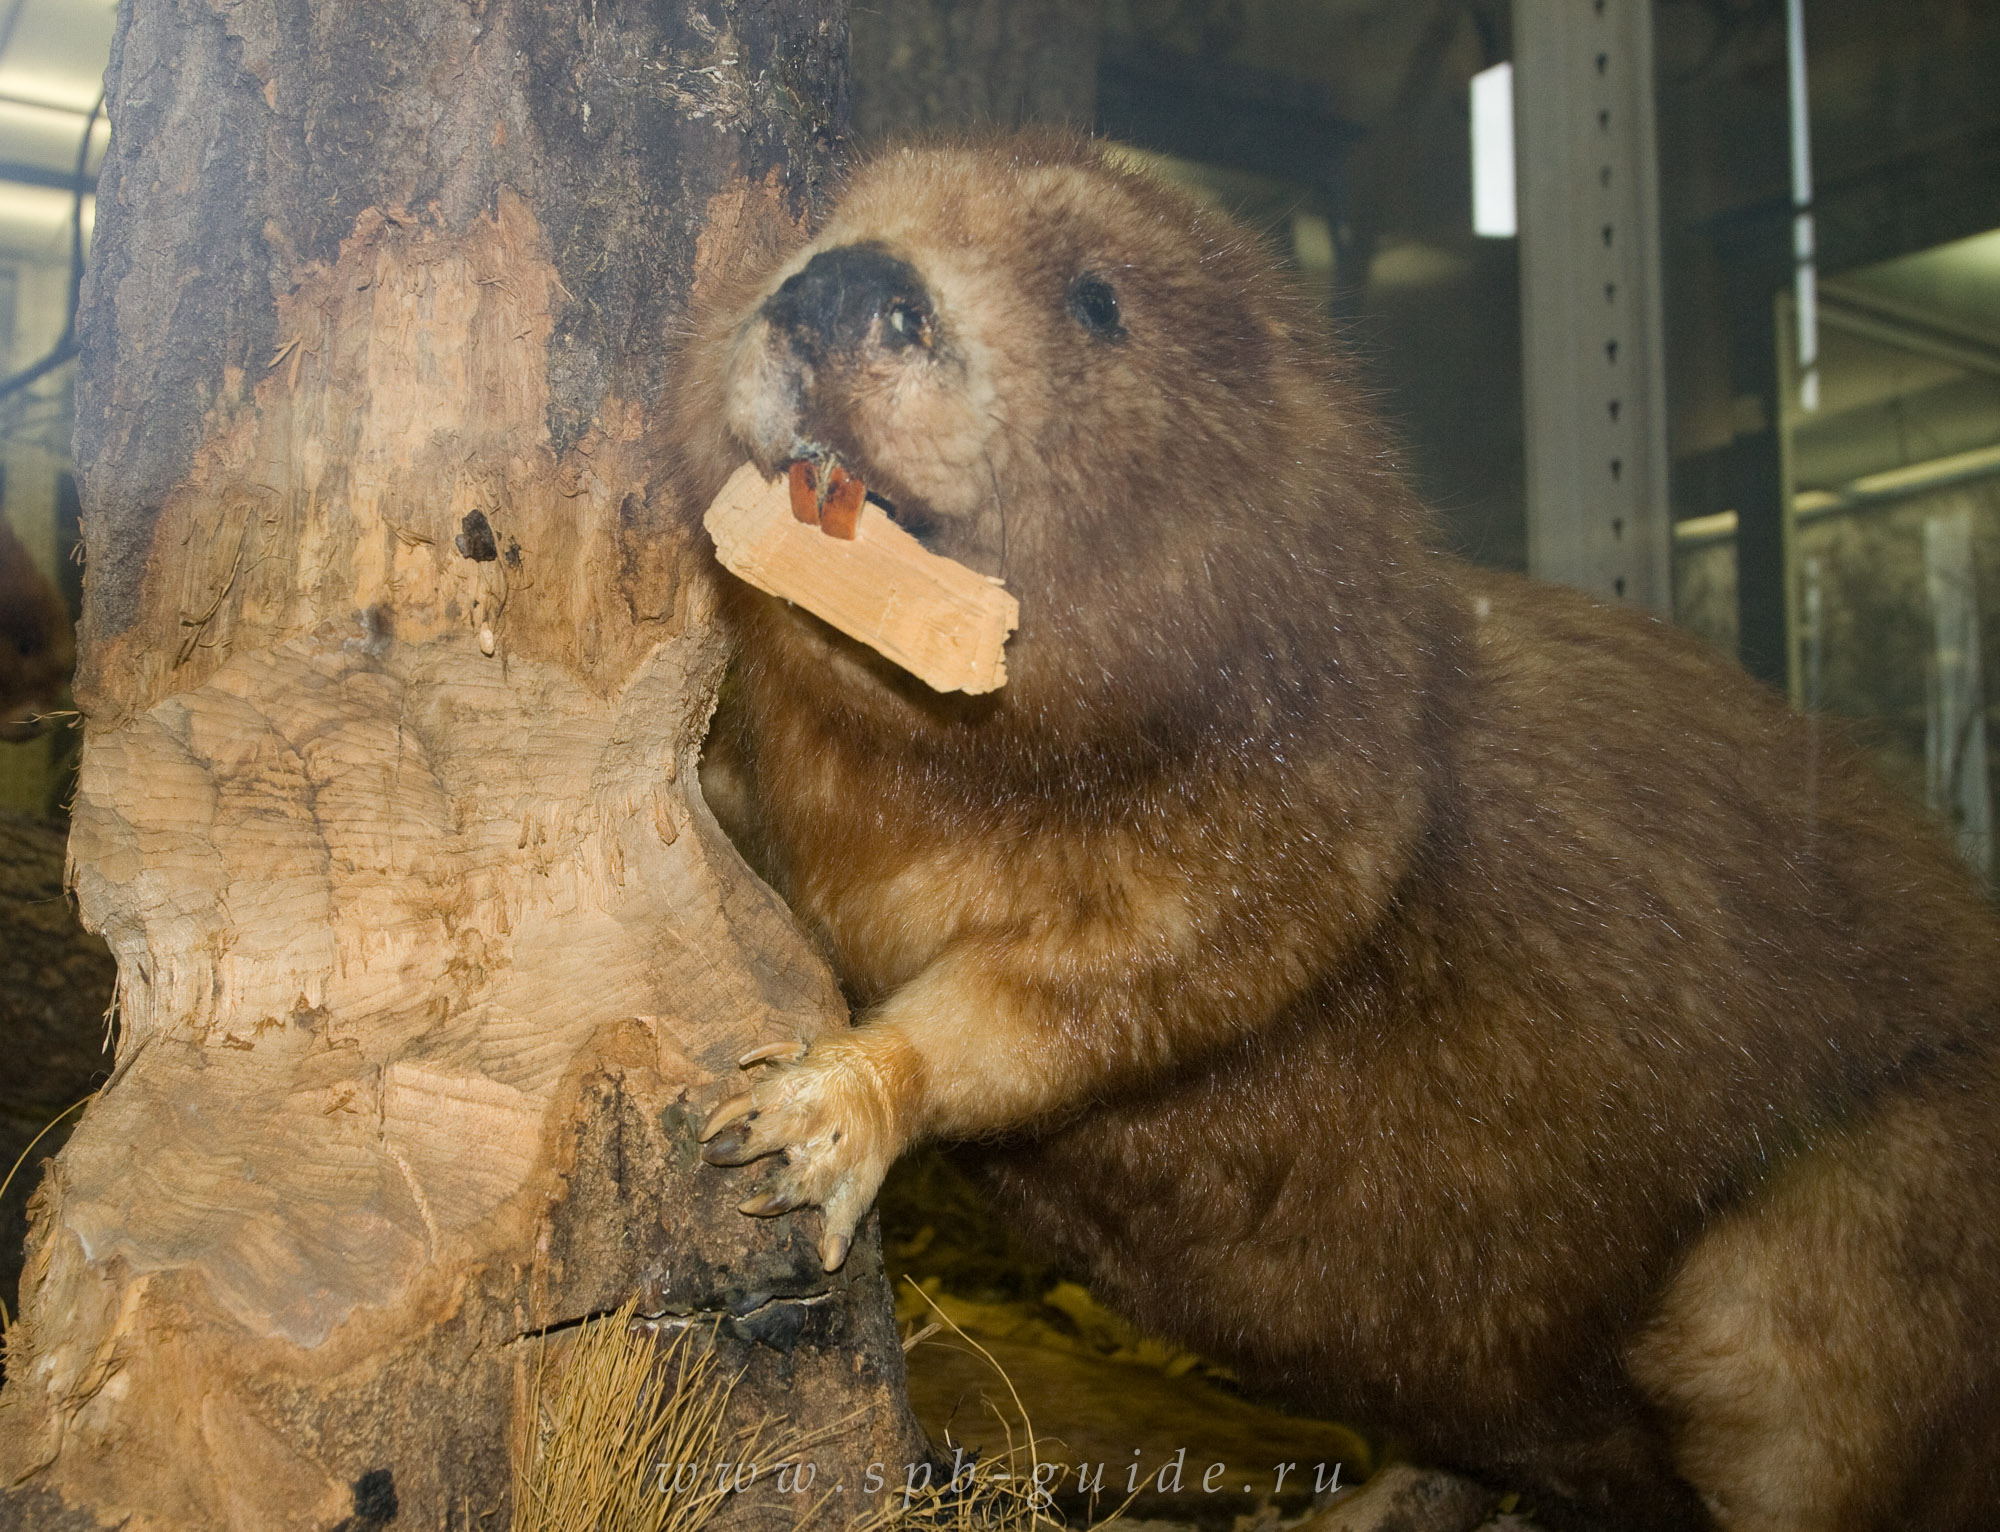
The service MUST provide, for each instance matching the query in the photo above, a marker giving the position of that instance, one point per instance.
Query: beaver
(1456, 1005)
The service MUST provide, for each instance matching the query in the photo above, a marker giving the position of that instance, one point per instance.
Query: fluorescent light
(1312, 242)
(1896, 483)
(35, 221)
(47, 139)
(1493, 213)
(1703, 528)
(1805, 272)
(1408, 263)
(1959, 465)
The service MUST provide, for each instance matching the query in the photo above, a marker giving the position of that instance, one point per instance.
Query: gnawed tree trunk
(427, 944)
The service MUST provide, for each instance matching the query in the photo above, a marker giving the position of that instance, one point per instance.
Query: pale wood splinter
(944, 623)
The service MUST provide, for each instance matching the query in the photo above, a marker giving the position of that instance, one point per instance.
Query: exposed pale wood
(944, 623)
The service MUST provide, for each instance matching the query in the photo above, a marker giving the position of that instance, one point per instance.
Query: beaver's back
(1660, 938)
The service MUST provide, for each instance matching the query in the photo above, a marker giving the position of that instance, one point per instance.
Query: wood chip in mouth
(944, 623)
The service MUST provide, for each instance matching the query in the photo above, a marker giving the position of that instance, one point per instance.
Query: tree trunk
(428, 947)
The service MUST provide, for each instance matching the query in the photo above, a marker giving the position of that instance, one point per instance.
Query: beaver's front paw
(828, 1112)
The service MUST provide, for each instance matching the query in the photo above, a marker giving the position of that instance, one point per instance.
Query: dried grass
(992, 1496)
(624, 1406)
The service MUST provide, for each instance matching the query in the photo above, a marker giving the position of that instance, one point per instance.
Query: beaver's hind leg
(1819, 1343)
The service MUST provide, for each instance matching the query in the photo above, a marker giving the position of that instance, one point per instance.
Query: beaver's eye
(1094, 305)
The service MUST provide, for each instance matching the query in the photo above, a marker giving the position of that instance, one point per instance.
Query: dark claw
(729, 1147)
(769, 1204)
(741, 1108)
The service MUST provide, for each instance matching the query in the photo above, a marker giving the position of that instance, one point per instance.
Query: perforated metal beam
(1594, 385)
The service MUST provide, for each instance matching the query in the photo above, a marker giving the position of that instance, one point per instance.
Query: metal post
(1598, 510)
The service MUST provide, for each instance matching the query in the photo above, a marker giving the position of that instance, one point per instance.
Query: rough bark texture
(428, 948)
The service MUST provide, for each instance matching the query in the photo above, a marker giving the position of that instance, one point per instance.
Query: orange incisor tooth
(805, 493)
(841, 513)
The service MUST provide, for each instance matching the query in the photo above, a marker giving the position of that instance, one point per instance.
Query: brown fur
(1455, 1004)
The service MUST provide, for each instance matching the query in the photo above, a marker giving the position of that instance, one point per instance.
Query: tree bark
(396, 679)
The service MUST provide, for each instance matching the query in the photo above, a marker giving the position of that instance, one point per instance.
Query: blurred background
(52, 137)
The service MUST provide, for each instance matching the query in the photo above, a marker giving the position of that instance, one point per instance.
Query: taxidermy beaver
(1454, 1004)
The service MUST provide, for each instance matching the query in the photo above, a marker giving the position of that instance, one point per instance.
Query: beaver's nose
(835, 302)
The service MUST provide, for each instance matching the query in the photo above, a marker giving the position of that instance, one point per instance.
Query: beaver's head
(985, 333)
(1074, 376)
